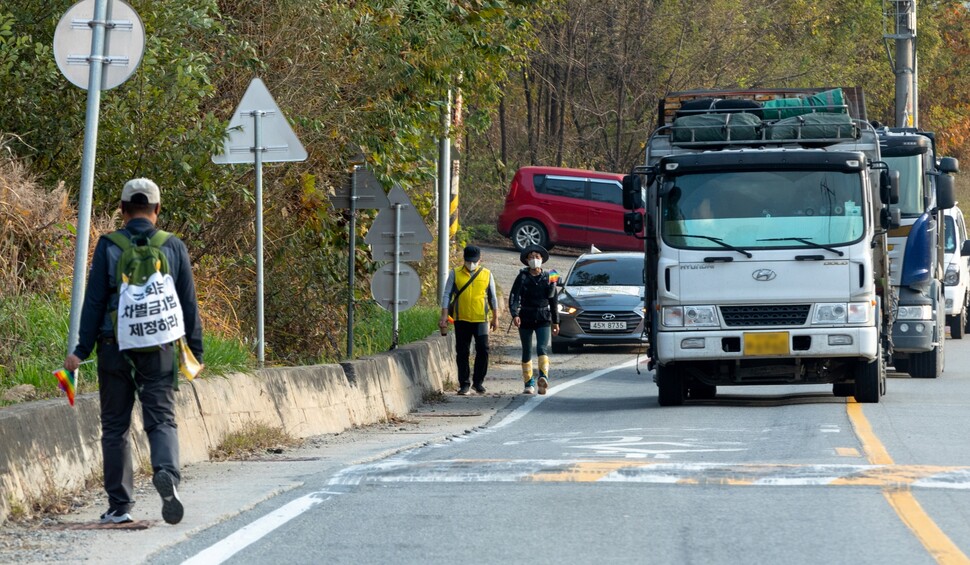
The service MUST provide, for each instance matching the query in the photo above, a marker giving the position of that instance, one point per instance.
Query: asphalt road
(597, 472)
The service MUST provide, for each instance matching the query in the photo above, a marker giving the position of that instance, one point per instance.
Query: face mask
(535, 263)
(471, 266)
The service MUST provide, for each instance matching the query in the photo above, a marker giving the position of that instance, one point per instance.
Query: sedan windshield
(763, 209)
(607, 272)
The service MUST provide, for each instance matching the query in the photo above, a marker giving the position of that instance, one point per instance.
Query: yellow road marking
(847, 451)
(930, 535)
(892, 476)
(940, 546)
(874, 449)
(584, 471)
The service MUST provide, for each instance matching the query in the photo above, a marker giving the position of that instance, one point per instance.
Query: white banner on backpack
(149, 315)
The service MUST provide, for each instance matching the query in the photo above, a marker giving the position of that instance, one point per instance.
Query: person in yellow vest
(470, 293)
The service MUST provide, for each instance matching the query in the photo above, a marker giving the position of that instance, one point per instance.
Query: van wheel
(559, 347)
(529, 232)
(957, 324)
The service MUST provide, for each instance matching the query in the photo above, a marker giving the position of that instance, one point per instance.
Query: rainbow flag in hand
(553, 276)
(66, 381)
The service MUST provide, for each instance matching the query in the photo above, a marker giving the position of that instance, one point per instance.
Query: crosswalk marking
(640, 471)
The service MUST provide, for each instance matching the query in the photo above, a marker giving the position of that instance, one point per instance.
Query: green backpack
(149, 313)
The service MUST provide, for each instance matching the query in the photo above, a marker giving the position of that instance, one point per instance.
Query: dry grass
(254, 439)
(37, 232)
(434, 397)
(55, 500)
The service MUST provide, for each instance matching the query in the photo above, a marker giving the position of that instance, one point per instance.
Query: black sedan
(601, 302)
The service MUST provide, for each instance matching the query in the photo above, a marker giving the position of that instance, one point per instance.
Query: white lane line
(221, 551)
(530, 404)
(251, 533)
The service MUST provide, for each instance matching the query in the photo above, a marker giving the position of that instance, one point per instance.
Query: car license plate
(769, 343)
(607, 325)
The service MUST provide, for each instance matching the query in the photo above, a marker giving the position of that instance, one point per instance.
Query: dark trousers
(149, 375)
(464, 332)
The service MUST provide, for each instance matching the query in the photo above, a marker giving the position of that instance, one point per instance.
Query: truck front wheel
(670, 386)
(870, 379)
(926, 364)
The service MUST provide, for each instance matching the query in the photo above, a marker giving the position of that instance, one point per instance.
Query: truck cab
(916, 249)
(766, 252)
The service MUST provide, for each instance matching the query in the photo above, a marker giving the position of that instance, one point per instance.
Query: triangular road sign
(277, 141)
(368, 192)
(413, 229)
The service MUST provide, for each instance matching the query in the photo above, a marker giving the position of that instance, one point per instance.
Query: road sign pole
(397, 273)
(351, 263)
(258, 155)
(96, 68)
(444, 195)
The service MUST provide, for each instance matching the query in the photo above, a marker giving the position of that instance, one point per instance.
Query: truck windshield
(910, 183)
(762, 209)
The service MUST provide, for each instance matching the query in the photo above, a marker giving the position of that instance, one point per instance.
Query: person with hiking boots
(534, 306)
(140, 359)
(469, 299)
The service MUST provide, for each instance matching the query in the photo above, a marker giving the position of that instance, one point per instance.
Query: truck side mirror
(945, 195)
(632, 223)
(889, 187)
(632, 193)
(949, 165)
(890, 218)
(965, 249)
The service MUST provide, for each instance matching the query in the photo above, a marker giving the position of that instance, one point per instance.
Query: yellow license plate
(771, 343)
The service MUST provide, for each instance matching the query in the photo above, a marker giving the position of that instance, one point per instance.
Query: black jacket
(533, 298)
(101, 294)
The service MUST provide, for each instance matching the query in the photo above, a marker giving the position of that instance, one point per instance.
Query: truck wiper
(807, 242)
(721, 243)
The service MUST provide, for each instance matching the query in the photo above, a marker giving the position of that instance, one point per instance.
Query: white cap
(142, 186)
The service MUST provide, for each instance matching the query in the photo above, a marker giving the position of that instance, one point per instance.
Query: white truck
(765, 243)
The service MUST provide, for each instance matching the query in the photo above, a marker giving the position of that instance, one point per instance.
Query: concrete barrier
(47, 446)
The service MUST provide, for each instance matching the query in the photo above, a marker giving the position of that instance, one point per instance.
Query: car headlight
(924, 312)
(690, 316)
(842, 313)
(952, 276)
(567, 305)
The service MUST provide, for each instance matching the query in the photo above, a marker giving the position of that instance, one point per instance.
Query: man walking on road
(149, 372)
(469, 293)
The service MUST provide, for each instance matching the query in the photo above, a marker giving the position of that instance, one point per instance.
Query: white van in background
(956, 281)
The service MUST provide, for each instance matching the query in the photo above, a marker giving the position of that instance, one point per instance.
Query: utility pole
(904, 66)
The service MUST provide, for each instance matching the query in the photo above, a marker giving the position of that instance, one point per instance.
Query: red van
(551, 206)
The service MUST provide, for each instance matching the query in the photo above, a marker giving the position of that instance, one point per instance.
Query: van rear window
(558, 186)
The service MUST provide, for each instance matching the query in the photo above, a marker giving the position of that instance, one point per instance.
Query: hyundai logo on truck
(763, 275)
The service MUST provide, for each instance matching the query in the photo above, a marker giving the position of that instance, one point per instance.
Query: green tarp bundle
(813, 126)
(705, 128)
(830, 101)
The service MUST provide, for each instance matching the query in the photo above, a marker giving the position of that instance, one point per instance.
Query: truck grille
(769, 315)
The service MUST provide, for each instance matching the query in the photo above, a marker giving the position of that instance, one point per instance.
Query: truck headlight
(842, 313)
(690, 316)
(924, 312)
(952, 276)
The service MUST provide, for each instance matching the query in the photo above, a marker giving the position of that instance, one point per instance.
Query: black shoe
(479, 389)
(463, 391)
(172, 509)
(115, 517)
